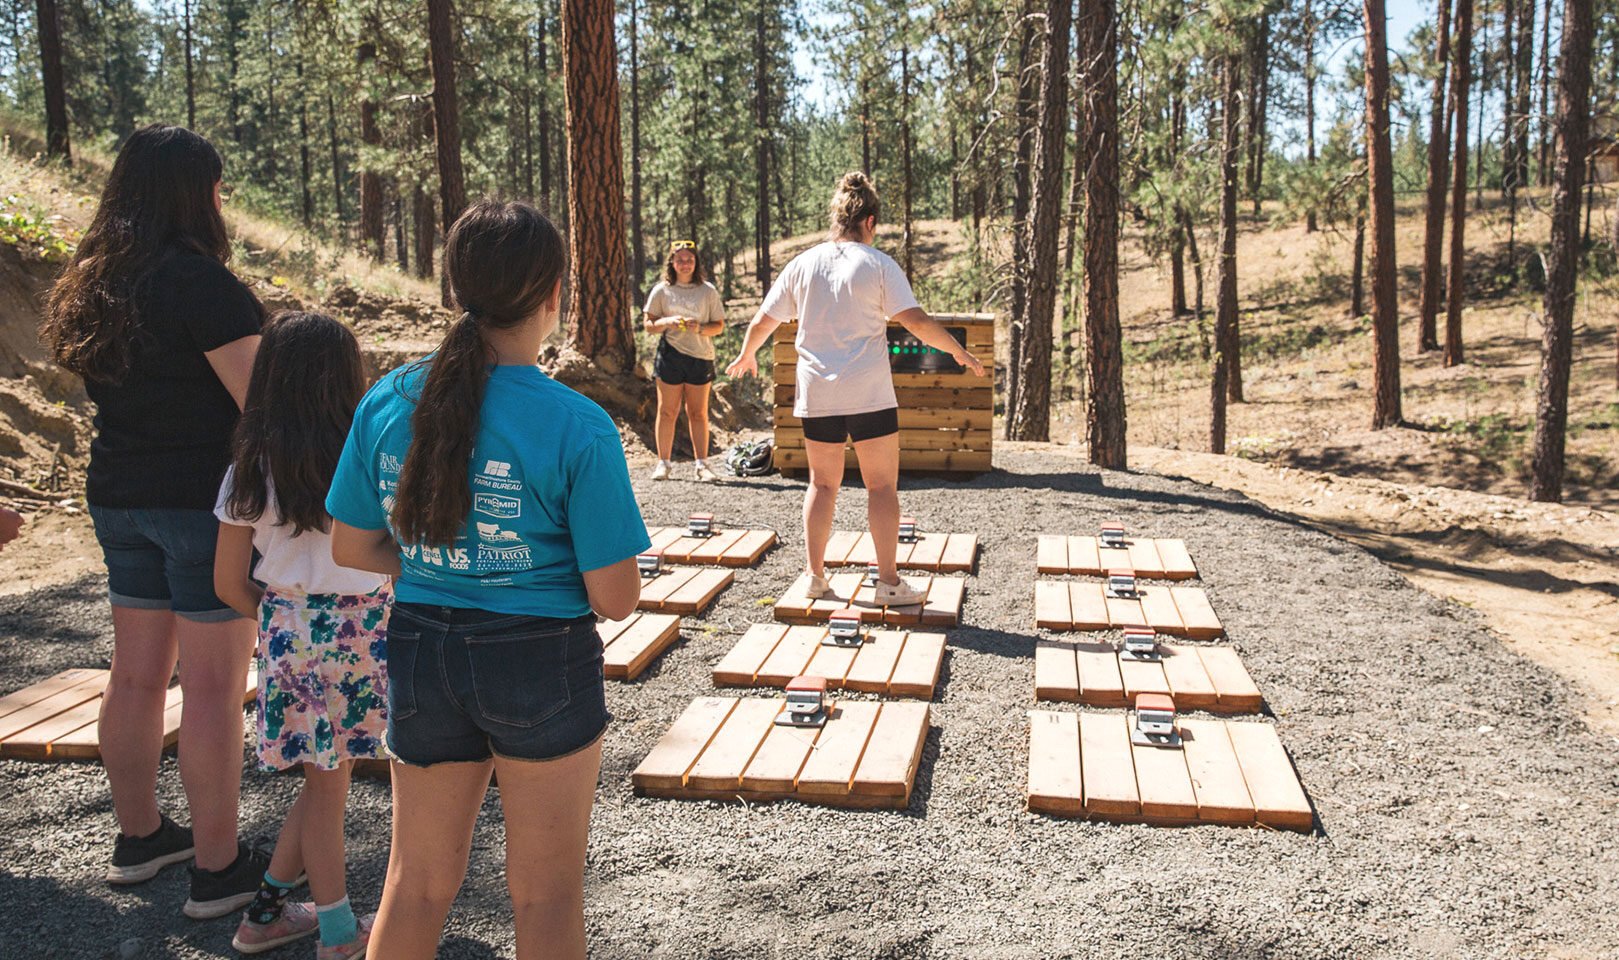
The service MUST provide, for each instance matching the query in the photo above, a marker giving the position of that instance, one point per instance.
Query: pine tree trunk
(1225, 319)
(401, 249)
(1259, 137)
(1177, 242)
(1433, 236)
(637, 235)
(371, 200)
(1310, 225)
(1525, 53)
(337, 160)
(1189, 231)
(598, 305)
(761, 150)
(1357, 269)
(1508, 69)
(307, 195)
(424, 228)
(446, 120)
(546, 201)
(1027, 92)
(1380, 171)
(1105, 424)
(1455, 293)
(1557, 343)
(907, 234)
(1543, 169)
(191, 81)
(57, 143)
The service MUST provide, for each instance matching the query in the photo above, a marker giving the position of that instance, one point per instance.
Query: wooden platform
(1085, 556)
(1177, 611)
(1228, 772)
(724, 748)
(683, 590)
(896, 662)
(57, 719)
(941, 607)
(726, 548)
(932, 552)
(1198, 677)
(630, 645)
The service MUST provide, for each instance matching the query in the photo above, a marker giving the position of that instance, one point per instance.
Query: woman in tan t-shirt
(686, 309)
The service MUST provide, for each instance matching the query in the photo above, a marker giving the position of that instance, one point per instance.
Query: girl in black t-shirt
(164, 337)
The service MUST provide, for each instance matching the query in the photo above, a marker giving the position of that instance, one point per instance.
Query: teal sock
(272, 881)
(337, 923)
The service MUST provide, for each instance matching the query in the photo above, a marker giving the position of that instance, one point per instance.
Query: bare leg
(131, 731)
(821, 500)
(547, 810)
(879, 471)
(320, 835)
(288, 860)
(695, 399)
(213, 677)
(434, 811)
(668, 414)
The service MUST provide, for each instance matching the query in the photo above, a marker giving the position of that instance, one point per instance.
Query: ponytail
(503, 261)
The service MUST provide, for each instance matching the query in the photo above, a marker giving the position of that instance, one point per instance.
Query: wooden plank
(1235, 691)
(1165, 785)
(917, 672)
(790, 657)
(874, 665)
(1050, 556)
(1222, 793)
(656, 590)
(665, 767)
(1100, 682)
(1195, 612)
(923, 438)
(1273, 784)
(1177, 560)
(1088, 606)
(679, 549)
(774, 768)
(714, 547)
(1107, 767)
(787, 372)
(32, 694)
(926, 552)
(750, 548)
(1141, 676)
(1189, 682)
(863, 552)
(888, 766)
(1124, 613)
(1144, 557)
(960, 553)
(721, 764)
(634, 649)
(696, 594)
(913, 418)
(839, 545)
(1055, 782)
(943, 606)
(1056, 675)
(845, 588)
(831, 767)
(1082, 556)
(1111, 558)
(15, 725)
(832, 662)
(610, 630)
(36, 743)
(1158, 611)
(662, 537)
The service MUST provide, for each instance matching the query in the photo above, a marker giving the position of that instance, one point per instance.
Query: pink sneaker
(297, 921)
(354, 949)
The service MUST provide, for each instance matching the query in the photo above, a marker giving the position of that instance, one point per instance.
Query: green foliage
(33, 232)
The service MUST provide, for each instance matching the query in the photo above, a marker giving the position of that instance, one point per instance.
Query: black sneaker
(138, 859)
(215, 893)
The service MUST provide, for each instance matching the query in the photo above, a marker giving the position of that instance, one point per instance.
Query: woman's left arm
(714, 317)
(933, 333)
(371, 550)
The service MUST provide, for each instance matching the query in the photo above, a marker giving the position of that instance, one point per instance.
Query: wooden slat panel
(1056, 675)
(1141, 676)
(37, 741)
(863, 552)
(922, 438)
(1050, 555)
(1159, 611)
(832, 765)
(790, 657)
(795, 603)
(832, 662)
(1165, 786)
(751, 547)
(32, 694)
(911, 418)
(1196, 614)
(1234, 688)
(726, 756)
(16, 724)
(1082, 556)
(888, 766)
(787, 372)
(943, 605)
(875, 663)
(714, 547)
(1055, 783)
(927, 551)
(845, 588)
(662, 537)
(917, 672)
(656, 590)
(1222, 793)
(839, 545)
(1108, 769)
(1177, 561)
(1124, 613)
(1189, 683)
(1089, 606)
(1144, 557)
(1100, 683)
(636, 647)
(680, 548)
(696, 594)
(960, 553)
(665, 767)
(610, 630)
(1273, 784)
(774, 768)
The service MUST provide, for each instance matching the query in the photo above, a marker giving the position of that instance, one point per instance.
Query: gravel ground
(1465, 810)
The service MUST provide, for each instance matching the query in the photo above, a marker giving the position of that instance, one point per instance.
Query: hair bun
(855, 180)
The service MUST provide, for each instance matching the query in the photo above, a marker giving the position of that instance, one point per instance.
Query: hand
(969, 361)
(10, 525)
(745, 365)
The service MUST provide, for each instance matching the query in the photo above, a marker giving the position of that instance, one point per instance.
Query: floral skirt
(323, 682)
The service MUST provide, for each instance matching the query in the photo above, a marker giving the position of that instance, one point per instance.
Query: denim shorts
(464, 685)
(161, 559)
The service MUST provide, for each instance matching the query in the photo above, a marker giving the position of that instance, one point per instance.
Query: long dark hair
(307, 380)
(159, 195)
(502, 261)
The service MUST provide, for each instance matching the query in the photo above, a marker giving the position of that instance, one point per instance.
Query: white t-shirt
(302, 563)
(694, 301)
(842, 293)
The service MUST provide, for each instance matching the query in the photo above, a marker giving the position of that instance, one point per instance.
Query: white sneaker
(661, 471)
(819, 588)
(901, 594)
(705, 475)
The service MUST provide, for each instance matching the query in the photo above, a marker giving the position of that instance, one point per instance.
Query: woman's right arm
(615, 589)
(371, 550)
(759, 331)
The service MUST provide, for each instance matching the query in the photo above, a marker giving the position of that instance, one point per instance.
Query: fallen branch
(23, 490)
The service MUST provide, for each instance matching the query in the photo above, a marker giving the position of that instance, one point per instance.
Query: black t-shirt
(163, 432)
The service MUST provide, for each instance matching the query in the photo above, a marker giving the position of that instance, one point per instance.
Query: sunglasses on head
(682, 245)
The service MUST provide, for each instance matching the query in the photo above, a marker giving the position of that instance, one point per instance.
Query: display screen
(906, 354)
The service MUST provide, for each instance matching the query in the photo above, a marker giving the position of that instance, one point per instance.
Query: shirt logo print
(497, 468)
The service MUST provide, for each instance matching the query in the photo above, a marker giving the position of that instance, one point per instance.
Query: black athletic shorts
(676, 368)
(854, 426)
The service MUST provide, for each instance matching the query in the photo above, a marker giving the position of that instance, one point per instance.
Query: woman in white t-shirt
(843, 293)
(686, 309)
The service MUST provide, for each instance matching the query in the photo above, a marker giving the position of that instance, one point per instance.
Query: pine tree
(1380, 187)
(1454, 295)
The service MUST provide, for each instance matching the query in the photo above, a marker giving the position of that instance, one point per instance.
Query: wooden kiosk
(945, 413)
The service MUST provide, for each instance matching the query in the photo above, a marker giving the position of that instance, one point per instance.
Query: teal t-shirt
(551, 495)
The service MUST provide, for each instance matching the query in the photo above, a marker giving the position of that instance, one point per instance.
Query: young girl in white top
(686, 309)
(322, 700)
(844, 293)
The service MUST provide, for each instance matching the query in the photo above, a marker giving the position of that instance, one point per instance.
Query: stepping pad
(1197, 677)
(725, 748)
(633, 643)
(896, 662)
(726, 548)
(933, 552)
(683, 591)
(58, 718)
(1085, 556)
(1177, 611)
(1226, 772)
(940, 607)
